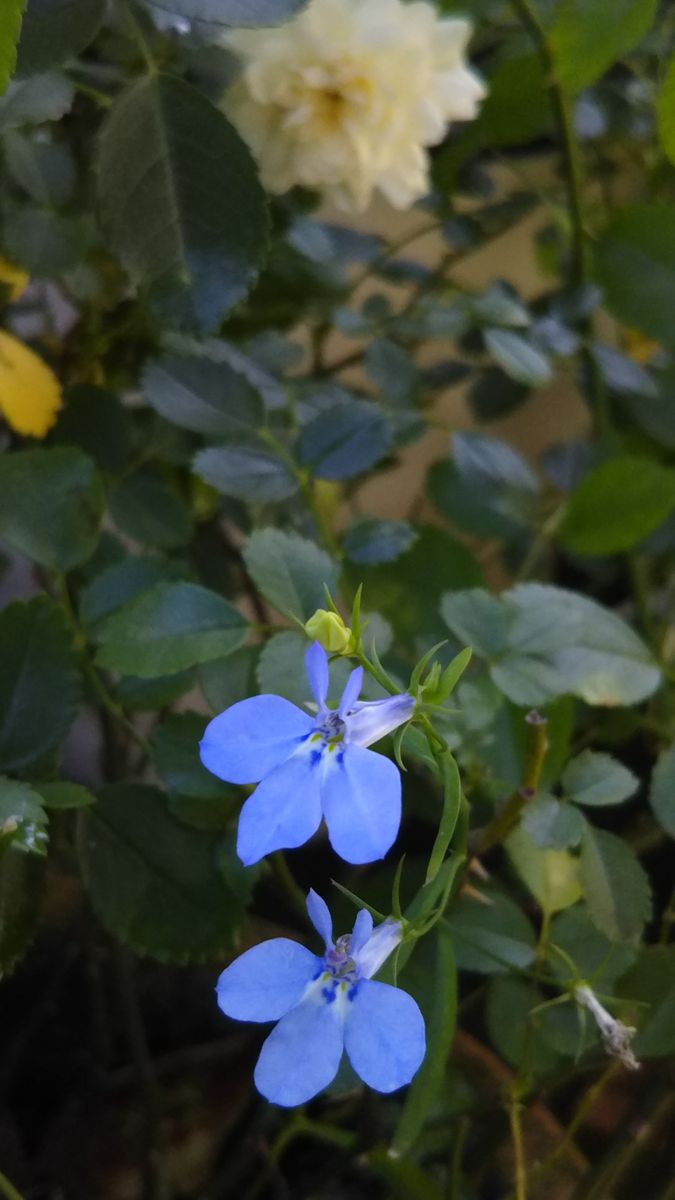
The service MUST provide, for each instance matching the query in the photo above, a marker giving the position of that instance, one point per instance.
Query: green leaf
(551, 825)
(45, 170)
(95, 420)
(518, 357)
(64, 794)
(170, 161)
(514, 1029)
(51, 505)
(291, 572)
(651, 982)
(345, 440)
(23, 820)
(31, 101)
(372, 541)
(204, 396)
(616, 505)
(662, 791)
(39, 683)
(491, 938)
(54, 31)
(245, 473)
(175, 754)
(635, 266)
(452, 802)
(588, 36)
(121, 582)
(594, 779)
(595, 956)
(477, 618)
(615, 886)
(281, 670)
(153, 882)
(22, 878)
(169, 628)
(488, 488)
(10, 26)
(46, 244)
(552, 876)
(666, 112)
(227, 680)
(426, 1085)
(404, 1179)
(148, 509)
(232, 12)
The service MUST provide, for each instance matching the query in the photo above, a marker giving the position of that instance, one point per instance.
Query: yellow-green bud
(330, 631)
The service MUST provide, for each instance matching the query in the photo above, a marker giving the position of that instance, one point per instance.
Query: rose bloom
(345, 97)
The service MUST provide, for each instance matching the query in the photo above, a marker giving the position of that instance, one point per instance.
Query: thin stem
(8, 1190)
(515, 1124)
(156, 1186)
(535, 753)
(288, 884)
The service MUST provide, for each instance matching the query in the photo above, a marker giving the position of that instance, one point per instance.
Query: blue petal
(320, 917)
(371, 720)
(265, 982)
(352, 691)
(301, 1056)
(363, 927)
(361, 798)
(316, 666)
(283, 812)
(384, 1035)
(251, 738)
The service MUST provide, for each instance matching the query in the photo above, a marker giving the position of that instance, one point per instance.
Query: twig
(520, 1174)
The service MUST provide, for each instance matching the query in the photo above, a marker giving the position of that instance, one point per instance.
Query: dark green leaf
(94, 420)
(493, 937)
(616, 505)
(51, 505)
(393, 371)
(227, 680)
(615, 886)
(595, 779)
(22, 878)
(171, 163)
(39, 683)
(651, 982)
(153, 882)
(488, 489)
(64, 795)
(168, 629)
(205, 396)
(371, 541)
(54, 31)
(10, 25)
(635, 265)
(23, 820)
(232, 12)
(175, 753)
(45, 244)
(587, 36)
(291, 572)
(662, 791)
(478, 619)
(120, 582)
(518, 357)
(514, 1029)
(245, 473)
(345, 440)
(552, 825)
(45, 170)
(146, 507)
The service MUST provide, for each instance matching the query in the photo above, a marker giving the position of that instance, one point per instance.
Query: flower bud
(330, 631)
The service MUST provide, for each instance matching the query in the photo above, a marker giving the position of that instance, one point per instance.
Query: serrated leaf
(345, 440)
(169, 160)
(491, 938)
(594, 779)
(552, 876)
(54, 31)
(204, 396)
(22, 878)
(168, 629)
(51, 505)
(39, 683)
(23, 820)
(615, 886)
(616, 505)
(372, 541)
(662, 791)
(10, 27)
(587, 36)
(291, 572)
(153, 882)
(246, 473)
(518, 357)
(121, 582)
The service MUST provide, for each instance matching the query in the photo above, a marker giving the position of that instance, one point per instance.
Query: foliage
(207, 395)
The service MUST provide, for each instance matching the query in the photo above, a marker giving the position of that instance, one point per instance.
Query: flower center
(331, 728)
(340, 972)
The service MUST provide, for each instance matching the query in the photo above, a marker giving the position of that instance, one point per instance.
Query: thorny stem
(156, 1185)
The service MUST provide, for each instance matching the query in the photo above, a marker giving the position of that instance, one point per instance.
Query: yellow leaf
(30, 394)
(15, 278)
(551, 875)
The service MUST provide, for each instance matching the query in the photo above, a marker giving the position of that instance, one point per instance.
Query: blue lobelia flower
(307, 767)
(324, 1006)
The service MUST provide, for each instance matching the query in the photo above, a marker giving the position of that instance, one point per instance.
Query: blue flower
(311, 767)
(324, 1006)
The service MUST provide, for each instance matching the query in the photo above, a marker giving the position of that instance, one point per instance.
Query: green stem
(288, 884)
(8, 1190)
(515, 1124)
(535, 753)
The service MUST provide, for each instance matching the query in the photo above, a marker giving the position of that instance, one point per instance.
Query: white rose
(345, 98)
